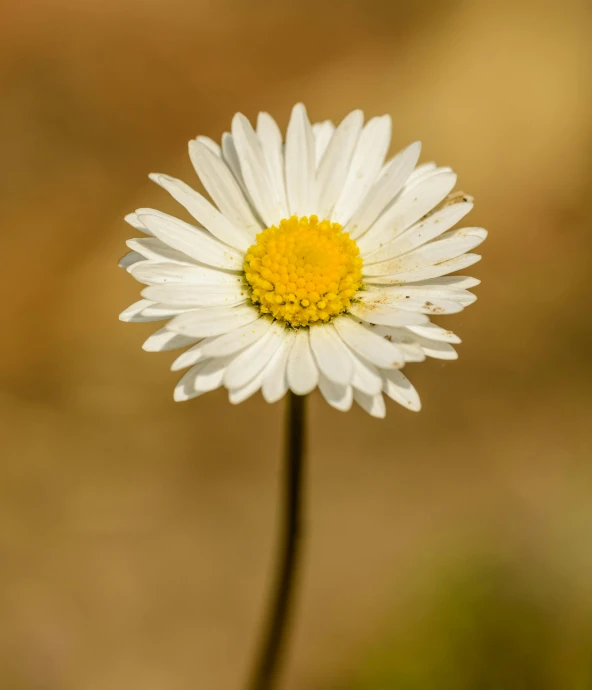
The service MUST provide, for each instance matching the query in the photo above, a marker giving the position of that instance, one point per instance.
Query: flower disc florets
(303, 271)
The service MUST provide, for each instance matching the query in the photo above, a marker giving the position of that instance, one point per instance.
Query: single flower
(318, 265)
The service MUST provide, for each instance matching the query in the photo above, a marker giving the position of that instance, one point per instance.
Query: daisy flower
(317, 264)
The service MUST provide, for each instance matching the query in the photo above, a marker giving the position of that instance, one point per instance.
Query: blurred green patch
(486, 627)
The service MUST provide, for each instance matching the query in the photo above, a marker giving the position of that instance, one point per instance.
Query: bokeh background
(446, 550)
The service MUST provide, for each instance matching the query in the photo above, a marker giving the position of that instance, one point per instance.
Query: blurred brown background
(448, 550)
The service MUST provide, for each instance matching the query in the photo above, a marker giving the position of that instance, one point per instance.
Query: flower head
(318, 264)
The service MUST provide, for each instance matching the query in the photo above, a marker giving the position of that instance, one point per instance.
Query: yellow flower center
(303, 271)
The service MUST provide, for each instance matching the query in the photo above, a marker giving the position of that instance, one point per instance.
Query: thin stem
(269, 658)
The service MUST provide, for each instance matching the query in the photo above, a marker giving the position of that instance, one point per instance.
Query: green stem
(266, 669)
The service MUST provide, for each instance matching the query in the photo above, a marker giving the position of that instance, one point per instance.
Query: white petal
(133, 220)
(157, 251)
(391, 295)
(331, 354)
(336, 394)
(366, 376)
(270, 137)
(398, 388)
(158, 311)
(130, 259)
(185, 388)
(449, 246)
(365, 167)
(223, 188)
(194, 296)
(210, 143)
(463, 296)
(481, 233)
(164, 340)
(407, 209)
(302, 371)
(191, 356)
(407, 300)
(300, 164)
(322, 132)
(237, 340)
(426, 230)
(406, 342)
(203, 323)
(133, 314)
(239, 395)
(433, 332)
(420, 170)
(253, 360)
(437, 349)
(372, 404)
(427, 272)
(192, 241)
(334, 167)
(387, 187)
(275, 380)
(157, 273)
(386, 315)
(454, 282)
(254, 172)
(230, 157)
(211, 374)
(364, 342)
(205, 213)
(419, 175)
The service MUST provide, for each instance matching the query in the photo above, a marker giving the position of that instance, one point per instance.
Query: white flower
(318, 265)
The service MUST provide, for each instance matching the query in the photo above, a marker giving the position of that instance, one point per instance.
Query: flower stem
(265, 675)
